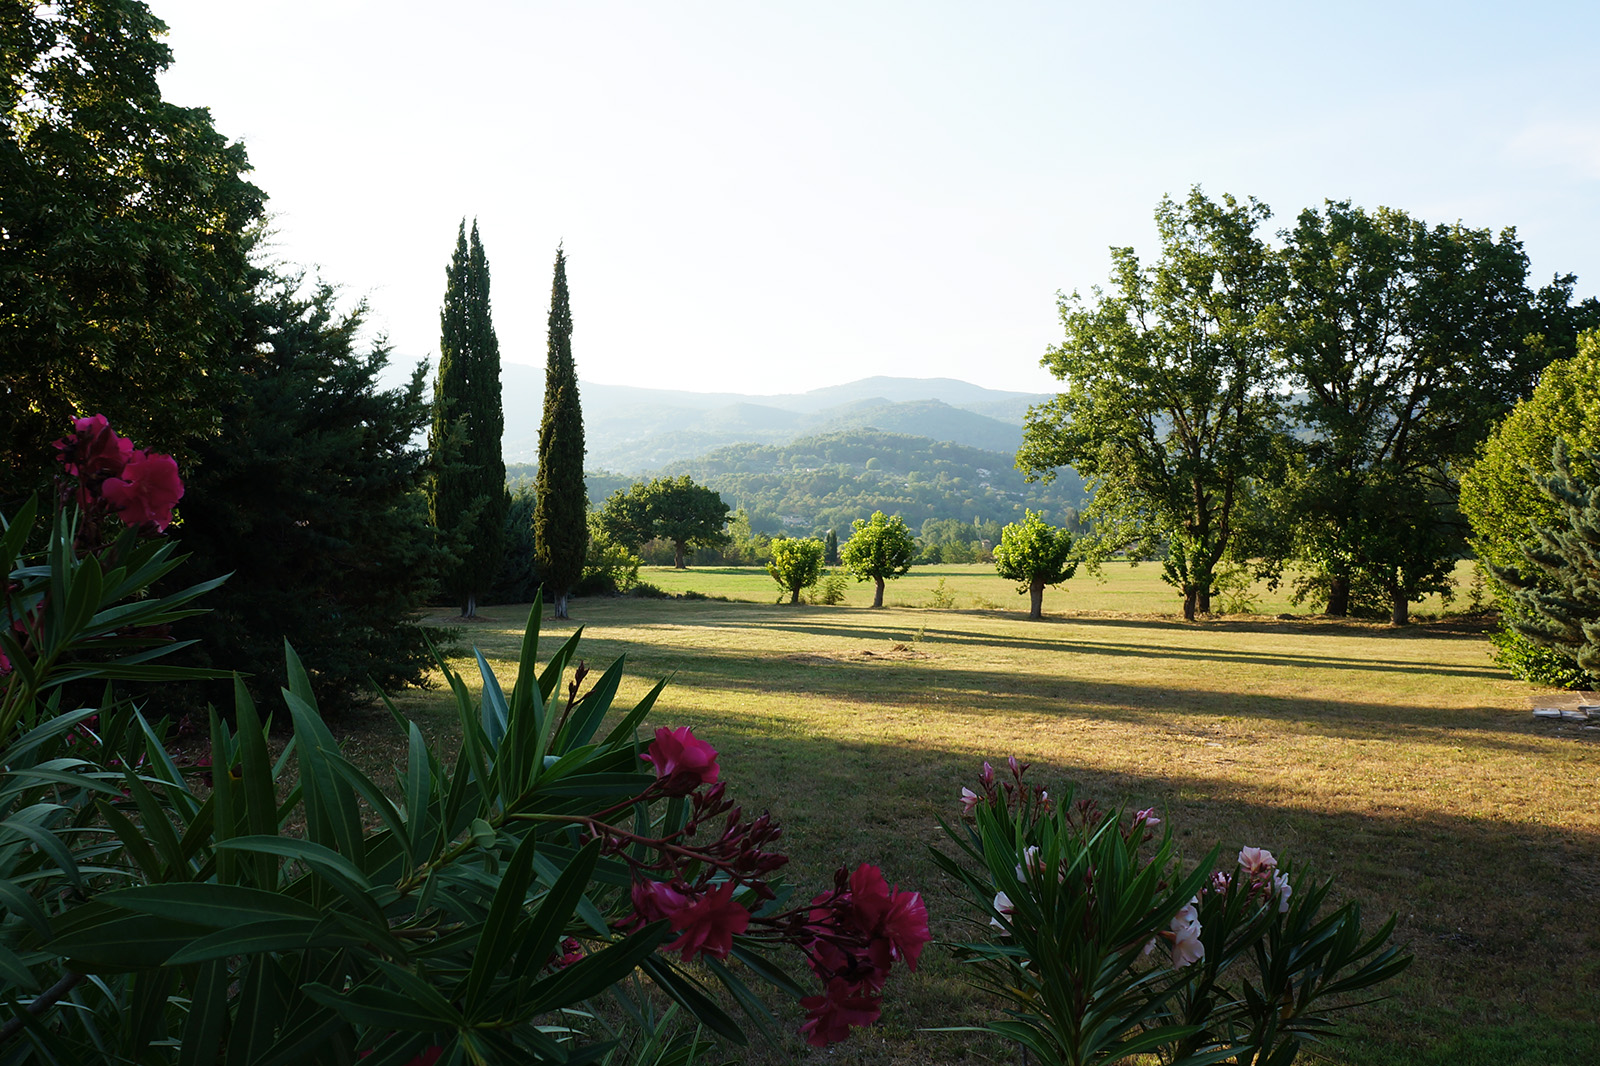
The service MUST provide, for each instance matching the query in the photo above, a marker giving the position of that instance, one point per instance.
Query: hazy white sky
(765, 197)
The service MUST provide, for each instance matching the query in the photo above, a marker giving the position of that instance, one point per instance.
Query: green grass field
(1401, 761)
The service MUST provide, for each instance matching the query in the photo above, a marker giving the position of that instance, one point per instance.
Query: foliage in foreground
(290, 910)
(1103, 948)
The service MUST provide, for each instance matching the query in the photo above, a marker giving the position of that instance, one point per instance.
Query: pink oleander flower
(708, 924)
(1258, 863)
(1003, 905)
(683, 763)
(830, 1017)
(656, 900)
(906, 926)
(1282, 890)
(1185, 934)
(145, 491)
(969, 800)
(1147, 817)
(93, 450)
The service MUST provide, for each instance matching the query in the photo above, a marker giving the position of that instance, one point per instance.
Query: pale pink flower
(1282, 890)
(1147, 816)
(1002, 904)
(1187, 948)
(969, 800)
(1258, 863)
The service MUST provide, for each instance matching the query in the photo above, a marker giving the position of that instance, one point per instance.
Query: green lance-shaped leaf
(694, 997)
(208, 1012)
(497, 941)
(333, 818)
(215, 905)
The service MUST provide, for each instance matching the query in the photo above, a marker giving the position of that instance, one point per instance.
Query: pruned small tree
(1555, 594)
(879, 548)
(796, 564)
(1034, 554)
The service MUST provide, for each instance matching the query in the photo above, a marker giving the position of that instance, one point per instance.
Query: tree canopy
(469, 500)
(1035, 554)
(561, 523)
(1404, 342)
(1173, 401)
(674, 509)
(879, 548)
(124, 250)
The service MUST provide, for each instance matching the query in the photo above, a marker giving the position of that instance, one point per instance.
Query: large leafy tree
(1172, 405)
(123, 248)
(879, 548)
(674, 509)
(469, 501)
(1034, 554)
(1405, 342)
(560, 524)
(310, 496)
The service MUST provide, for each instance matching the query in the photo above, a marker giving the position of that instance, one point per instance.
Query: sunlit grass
(1400, 760)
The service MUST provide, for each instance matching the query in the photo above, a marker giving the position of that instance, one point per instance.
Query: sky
(770, 197)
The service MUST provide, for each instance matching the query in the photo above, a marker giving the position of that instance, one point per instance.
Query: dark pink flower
(656, 900)
(709, 924)
(829, 1017)
(146, 490)
(92, 450)
(683, 763)
(906, 926)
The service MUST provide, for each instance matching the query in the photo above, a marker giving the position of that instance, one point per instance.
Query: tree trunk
(877, 596)
(1402, 604)
(1339, 596)
(794, 596)
(470, 609)
(561, 605)
(1188, 604)
(1203, 599)
(678, 552)
(1036, 600)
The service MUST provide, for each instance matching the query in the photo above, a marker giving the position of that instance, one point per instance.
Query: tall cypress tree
(560, 520)
(469, 489)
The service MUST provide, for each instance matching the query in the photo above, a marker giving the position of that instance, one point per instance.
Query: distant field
(1401, 761)
(1122, 588)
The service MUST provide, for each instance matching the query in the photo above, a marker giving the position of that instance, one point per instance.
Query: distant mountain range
(632, 430)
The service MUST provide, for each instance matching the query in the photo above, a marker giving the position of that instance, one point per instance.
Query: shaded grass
(1399, 760)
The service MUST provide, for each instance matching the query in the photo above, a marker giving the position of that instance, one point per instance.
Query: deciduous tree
(1172, 405)
(1034, 554)
(561, 527)
(796, 564)
(125, 236)
(469, 500)
(673, 509)
(1404, 342)
(879, 549)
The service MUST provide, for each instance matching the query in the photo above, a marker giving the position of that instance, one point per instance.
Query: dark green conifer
(469, 488)
(1555, 597)
(560, 521)
(830, 549)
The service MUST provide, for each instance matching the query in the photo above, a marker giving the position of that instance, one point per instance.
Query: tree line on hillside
(1310, 403)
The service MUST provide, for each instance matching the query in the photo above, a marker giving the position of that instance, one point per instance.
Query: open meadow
(1402, 761)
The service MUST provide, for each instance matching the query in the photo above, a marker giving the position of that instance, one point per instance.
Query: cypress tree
(469, 501)
(561, 515)
(830, 549)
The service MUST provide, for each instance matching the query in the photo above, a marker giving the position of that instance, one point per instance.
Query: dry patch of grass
(1401, 761)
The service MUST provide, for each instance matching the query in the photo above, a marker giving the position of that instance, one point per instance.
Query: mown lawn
(1402, 761)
